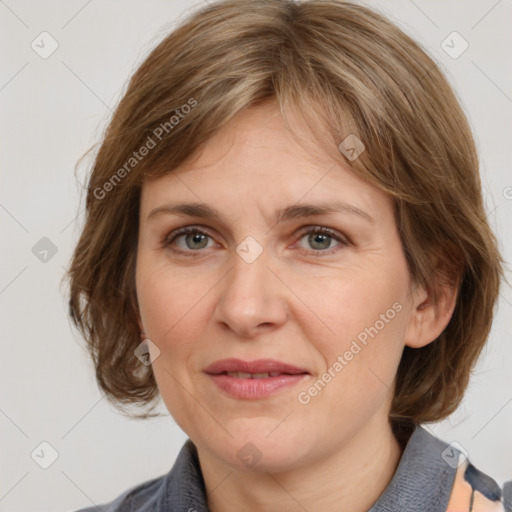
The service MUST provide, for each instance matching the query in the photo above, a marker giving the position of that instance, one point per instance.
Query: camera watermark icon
(454, 454)
(507, 192)
(249, 455)
(44, 250)
(454, 45)
(249, 249)
(44, 45)
(351, 147)
(44, 455)
(147, 352)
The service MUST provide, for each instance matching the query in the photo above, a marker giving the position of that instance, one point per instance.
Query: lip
(254, 388)
(256, 366)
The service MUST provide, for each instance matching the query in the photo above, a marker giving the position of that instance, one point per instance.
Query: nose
(252, 298)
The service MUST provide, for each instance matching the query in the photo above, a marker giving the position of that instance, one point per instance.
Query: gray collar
(424, 477)
(422, 481)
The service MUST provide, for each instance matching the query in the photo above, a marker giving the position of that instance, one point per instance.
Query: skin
(200, 301)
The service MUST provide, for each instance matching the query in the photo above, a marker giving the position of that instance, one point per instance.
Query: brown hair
(346, 70)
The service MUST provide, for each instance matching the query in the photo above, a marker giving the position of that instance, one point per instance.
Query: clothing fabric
(432, 476)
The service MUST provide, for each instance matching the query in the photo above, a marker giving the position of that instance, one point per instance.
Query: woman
(286, 240)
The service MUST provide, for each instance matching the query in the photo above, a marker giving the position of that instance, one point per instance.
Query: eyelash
(169, 239)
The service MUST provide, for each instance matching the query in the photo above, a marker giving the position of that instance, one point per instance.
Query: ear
(429, 318)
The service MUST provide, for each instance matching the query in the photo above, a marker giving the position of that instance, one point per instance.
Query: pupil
(325, 239)
(196, 238)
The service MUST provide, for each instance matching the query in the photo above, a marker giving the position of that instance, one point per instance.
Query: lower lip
(255, 388)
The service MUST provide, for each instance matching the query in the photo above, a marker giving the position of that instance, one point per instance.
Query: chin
(253, 449)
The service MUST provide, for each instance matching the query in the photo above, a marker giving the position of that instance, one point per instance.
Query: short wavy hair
(346, 70)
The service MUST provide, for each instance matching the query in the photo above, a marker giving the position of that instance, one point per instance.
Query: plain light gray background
(52, 110)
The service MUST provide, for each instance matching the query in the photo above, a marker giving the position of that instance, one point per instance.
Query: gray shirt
(423, 482)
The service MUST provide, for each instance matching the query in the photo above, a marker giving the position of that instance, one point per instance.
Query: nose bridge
(250, 271)
(251, 295)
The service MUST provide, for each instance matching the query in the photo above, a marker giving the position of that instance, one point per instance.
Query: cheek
(340, 306)
(356, 324)
(159, 293)
(170, 308)
(173, 307)
(360, 347)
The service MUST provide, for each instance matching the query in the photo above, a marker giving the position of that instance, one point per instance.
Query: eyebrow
(295, 211)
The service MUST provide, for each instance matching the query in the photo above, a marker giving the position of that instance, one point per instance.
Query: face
(328, 293)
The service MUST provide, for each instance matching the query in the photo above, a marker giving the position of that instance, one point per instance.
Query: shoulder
(435, 476)
(138, 498)
(476, 491)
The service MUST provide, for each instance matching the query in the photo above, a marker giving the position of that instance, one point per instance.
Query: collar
(423, 480)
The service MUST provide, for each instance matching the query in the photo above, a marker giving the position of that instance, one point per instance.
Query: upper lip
(256, 366)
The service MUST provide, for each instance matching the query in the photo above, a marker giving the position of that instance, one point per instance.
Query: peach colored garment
(464, 498)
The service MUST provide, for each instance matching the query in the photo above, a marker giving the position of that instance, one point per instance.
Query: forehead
(254, 161)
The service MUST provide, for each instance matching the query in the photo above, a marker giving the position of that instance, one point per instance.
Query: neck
(351, 478)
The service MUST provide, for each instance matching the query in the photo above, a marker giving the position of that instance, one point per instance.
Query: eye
(194, 239)
(320, 239)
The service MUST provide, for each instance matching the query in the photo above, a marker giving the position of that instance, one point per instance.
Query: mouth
(257, 369)
(254, 380)
(263, 375)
